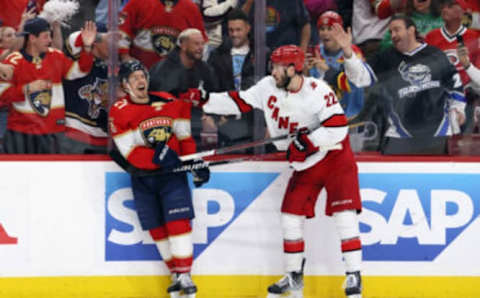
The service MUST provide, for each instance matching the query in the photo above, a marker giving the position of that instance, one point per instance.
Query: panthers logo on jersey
(155, 130)
(41, 102)
(164, 39)
(96, 95)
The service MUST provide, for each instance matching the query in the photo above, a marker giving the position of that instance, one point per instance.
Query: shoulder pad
(156, 96)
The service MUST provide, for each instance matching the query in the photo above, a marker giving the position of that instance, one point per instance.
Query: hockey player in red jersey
(294, 103)
(151, 131)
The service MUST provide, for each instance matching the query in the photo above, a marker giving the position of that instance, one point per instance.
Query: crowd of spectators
(54, 77)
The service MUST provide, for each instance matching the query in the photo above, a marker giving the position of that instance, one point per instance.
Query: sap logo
(414, 217)
(5, 238)
(217, 204)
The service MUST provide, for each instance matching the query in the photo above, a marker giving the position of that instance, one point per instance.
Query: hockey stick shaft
(233, 148)
(236, 147)
(205, 164)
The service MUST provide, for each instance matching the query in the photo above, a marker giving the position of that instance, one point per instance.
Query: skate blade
(355, 296)
(291, 294)
(180, 295)
(296, 294)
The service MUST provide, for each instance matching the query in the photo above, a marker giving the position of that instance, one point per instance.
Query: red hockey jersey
(150, 29)
(441, 39)
(137, 128)
(40, 112)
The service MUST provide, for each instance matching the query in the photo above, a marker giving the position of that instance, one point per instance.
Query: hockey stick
(242, 146)
(201, 164)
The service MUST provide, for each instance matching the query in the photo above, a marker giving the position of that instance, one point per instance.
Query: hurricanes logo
(164, 39)
(96, 95)
(156, 130)
(41, 102)
(452, 56)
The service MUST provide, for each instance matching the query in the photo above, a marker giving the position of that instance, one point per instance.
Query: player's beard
(284, 82)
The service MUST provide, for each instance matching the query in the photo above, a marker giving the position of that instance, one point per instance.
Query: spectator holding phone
(462, 47)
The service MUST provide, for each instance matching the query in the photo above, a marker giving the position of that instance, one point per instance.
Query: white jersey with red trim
(313, 105)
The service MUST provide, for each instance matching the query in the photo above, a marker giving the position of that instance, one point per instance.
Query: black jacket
(171, 76)
(221, 62)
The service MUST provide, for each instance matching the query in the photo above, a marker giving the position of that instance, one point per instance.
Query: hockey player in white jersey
(308, 107)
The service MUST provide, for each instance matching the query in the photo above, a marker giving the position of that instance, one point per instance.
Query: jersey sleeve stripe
(336, 120)
(242, 105)
(458, 96)
(342, 82)
(126, 142)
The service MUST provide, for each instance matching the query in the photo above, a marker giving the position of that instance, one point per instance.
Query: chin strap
(130, 92)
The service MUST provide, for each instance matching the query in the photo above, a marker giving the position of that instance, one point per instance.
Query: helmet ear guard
(289, 55)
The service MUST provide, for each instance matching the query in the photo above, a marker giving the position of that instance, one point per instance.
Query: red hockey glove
(301, 147)
(198, 97)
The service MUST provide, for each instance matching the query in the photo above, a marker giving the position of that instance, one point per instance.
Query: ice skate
(182, 286)
(353, 285)
(290, 285)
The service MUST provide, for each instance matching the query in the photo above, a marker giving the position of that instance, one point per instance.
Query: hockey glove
(200, 172)
(165, 157)
(198, 97)
(301, 147)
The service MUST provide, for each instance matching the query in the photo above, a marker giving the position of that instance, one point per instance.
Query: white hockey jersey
(314, 105)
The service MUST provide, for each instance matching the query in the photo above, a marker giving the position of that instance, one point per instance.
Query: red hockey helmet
(289, 54)
(329, 18)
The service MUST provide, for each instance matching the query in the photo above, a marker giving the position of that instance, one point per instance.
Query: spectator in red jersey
(462, 47)
(12, 10)
(150, 28)
(36, 120)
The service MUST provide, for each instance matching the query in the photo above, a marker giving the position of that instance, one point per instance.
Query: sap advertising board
(406, 216)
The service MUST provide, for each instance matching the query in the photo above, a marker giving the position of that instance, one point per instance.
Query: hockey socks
(181, 246)
(346, 223)
(174, 243)
(293, 243)
(160, 236)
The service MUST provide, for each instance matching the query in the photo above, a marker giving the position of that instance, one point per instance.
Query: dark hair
(434, 8)
(408, 23)
(237, 14)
